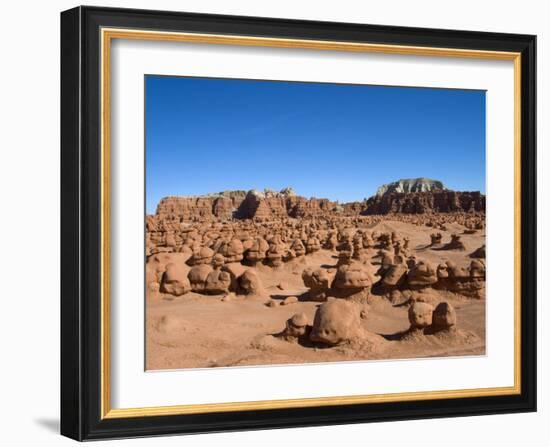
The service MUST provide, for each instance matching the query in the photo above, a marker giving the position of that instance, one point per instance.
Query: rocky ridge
(406, 196)
(410, 185)
(426, 202)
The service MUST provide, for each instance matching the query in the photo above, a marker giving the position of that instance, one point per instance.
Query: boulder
(298, 248)
(455, 244)
(256, 253)
(312, 245)
(335, 322)
(296, 327)
(174, 280)
(250, 284)
(395, 276)
(232, 251)
(201, 256)
(198, 276)
(423, 274)
(318, 281)
(444, 316)
(352, 276)
(420, 315)
(289, 300)
(217, 282)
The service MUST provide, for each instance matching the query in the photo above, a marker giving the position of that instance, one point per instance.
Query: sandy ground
(197, 331)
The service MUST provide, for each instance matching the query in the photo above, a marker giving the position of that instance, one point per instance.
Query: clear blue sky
(325, 140)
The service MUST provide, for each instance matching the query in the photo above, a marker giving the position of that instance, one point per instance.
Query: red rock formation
(299, 207)
(426, 202)
(270, 205)
(354, 208)
(221, 205)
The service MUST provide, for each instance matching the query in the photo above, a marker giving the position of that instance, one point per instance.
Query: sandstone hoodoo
(260, 277)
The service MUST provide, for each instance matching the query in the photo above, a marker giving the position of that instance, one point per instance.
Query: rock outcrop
(426, 202)
(336, 321)
(219, 205)
(410, 196)
(409, 185)
(254, 204)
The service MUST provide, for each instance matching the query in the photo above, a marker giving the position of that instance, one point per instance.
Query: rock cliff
(426, 202)
(221, 205)
(410, 185)
(419, 196)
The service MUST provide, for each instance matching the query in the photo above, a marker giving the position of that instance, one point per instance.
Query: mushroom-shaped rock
(386, 261)
(217, 282)
(198, 276)
(352, 276)
(247, 244)
(331, 242)
(400, 253)
(298, 248)
(235, 270)
(344, 257)
(435, 239)
(420, 315)
(249, 283)
(456, 272)
(346, 245)
(218, 261)
(297, 326)
(423, 274)
(336, 321)
(456, 243)
(318, 281)
(256, 252)
(395, 275)
(442, 271)
(313, 245)
(201, 256)
(289, 255)
(232, 251)
(444, 316)
(174, 280)
(275, 254)
(368, 241)
(385, 241)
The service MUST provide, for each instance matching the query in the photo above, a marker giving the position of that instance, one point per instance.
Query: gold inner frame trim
(107, 35)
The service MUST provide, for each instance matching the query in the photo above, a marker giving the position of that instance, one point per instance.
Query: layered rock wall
(271, 205)
(426, 202)
(222, 206)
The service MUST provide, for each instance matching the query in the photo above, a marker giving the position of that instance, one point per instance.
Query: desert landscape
(270, 277)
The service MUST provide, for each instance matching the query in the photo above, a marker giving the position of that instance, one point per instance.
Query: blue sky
(333, 141)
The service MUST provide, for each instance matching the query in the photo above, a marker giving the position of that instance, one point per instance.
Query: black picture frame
(81, 224)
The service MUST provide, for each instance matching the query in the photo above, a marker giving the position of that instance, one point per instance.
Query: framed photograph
(276, 223)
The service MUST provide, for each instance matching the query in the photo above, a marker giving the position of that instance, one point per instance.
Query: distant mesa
(422, 195)
(405, 196)
(410, 185)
